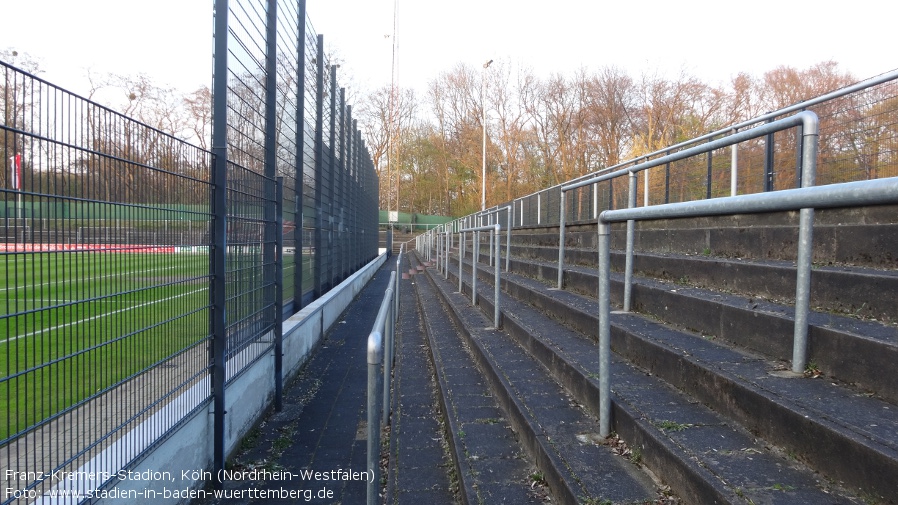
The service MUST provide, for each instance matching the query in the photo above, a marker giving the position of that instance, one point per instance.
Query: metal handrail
(849, 194)
(810, 131)
(380, 351)
(867, 83)
(495, 229)
(496, 210)
(396, 285)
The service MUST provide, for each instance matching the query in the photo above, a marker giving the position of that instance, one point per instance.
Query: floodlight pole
(483, 124)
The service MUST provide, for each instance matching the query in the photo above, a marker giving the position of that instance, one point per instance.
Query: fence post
(218, 249)
(341, 235)
(645, 187)
(734, 168)
(667, 180)
(319, 165)
(710, 172)
(595, 200)
(768, 161)
(539, 210)
(271, 212)
(279, 297)
(299, 167)
(332, 178)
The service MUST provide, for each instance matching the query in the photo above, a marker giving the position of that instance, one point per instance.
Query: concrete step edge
(558, 475)
(845, 469)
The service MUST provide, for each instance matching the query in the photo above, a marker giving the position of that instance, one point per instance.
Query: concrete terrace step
(849, 349)
(420, 467)
(489, 463)
(829, 427)
(703, 456)
(863, 236)
(554, 429)
(856, 291)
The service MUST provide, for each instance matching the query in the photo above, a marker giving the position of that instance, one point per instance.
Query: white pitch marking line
(100, 316)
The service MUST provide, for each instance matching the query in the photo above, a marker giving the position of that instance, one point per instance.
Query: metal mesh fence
(141, 274)
(105, 291)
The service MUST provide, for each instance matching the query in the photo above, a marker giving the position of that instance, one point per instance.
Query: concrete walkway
(314, 450)
(420, 467)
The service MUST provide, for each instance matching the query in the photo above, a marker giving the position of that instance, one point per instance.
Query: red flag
(17, 172)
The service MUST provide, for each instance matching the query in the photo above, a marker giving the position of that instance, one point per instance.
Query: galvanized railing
(810, 133)
(494, 229)
(808, 152)
(493, 215)
(380, 360)
(875, 192)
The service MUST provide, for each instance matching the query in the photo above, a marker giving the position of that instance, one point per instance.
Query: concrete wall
(186, 454)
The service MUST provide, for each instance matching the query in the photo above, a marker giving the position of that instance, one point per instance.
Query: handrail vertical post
(492, 235)
(810, 140)
(474, 260)
(604, 297)
(396, 286)
(508, 234)
(802, 289)
(461, 258)
(374, 358)
(631, 232)
(492, 249)
(389, 333)
(561, 243)
(449, 249)
(496, 287)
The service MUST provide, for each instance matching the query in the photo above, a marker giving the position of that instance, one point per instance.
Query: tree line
(542, 131)
(428, 150)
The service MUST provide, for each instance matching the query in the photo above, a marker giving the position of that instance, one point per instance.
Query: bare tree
(386, 116)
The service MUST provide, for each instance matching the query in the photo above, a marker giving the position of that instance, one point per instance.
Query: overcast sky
(171, 40)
